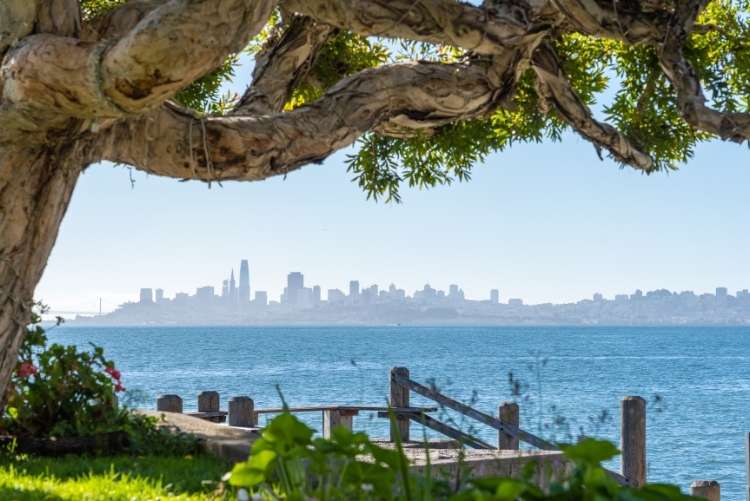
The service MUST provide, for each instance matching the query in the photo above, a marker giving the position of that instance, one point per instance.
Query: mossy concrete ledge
(233, 444)
(227, 442)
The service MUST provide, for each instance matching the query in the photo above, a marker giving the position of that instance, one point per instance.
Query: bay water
(567, 380)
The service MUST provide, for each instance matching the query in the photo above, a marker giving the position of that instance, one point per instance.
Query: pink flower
(113, 372)
(119, 387)
(26, 369)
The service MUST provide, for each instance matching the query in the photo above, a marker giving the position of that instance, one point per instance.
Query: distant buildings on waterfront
(299, 297)
(303, 304)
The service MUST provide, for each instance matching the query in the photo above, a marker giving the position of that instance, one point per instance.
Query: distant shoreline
(86, 324)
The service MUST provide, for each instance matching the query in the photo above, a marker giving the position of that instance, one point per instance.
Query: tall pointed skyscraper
(232, 288)
(244, 291)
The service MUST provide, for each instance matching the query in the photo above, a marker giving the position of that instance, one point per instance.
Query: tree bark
(35, 188)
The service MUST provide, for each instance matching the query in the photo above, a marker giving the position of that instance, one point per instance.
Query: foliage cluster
(624, 84)
(342, 55)
(288, 462)
(60, 391)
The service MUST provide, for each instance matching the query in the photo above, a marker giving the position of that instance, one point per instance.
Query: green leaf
(590, 451)
(247, 475)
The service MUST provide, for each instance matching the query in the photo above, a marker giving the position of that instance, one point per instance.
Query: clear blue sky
(547, 222)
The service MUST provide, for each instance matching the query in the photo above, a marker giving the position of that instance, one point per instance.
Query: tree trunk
(35, 188)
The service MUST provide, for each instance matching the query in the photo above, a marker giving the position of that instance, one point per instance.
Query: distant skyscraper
(721, 293)
(295, 285)
(316, 294)
(598, 297)
(204, 293)
(295, 280)
(244, 290)
(261, 298)
(455, 293)
(335, 296)
(353, 289)
(159, 295)
(232, 288)
(494, 296)
(146, 296)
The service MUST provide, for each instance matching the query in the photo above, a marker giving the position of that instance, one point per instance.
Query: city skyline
(358, 303)
(295, 291)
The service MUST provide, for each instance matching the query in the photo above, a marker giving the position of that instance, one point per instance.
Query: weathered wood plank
(241, 412)
(509, 416)
(169, 403)
(360, 408)
(207, 415)
(443, 428)
(633, 440)
(333, 418)
(208, 401)
(399, 398)
(708, 489)
(475, 414)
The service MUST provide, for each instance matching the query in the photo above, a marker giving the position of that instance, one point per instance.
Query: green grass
(111, 478)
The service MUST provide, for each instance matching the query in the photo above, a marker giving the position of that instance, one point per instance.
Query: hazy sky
(544, 222)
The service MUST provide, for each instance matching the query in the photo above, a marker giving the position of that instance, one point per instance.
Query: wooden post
(709, 489)
(399, 398)
(241, 412)
(169, 403)
(208, 401)
(633, 440)
(508, 414)
(333, 418)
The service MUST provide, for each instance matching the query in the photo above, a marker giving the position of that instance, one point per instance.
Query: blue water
(701, 376)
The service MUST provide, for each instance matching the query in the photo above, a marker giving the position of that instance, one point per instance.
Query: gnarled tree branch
(555, 88)
(493, 30)
(117, 22)
(59, 17)
(165, 51)
(169, 48)
(17, 19)
(731, 126)
(282, 65)
(690, 97)
(633, 22)
(171, 142)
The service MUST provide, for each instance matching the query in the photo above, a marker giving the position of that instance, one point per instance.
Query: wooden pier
(505, 458)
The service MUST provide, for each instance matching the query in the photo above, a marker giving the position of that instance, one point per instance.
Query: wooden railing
(242, 413)
(400, 377)
(507, 425)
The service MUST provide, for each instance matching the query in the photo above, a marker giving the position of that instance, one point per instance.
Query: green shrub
(59, 391)
(288, 462)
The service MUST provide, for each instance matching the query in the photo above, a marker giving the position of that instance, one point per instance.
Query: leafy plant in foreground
(288, 462)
